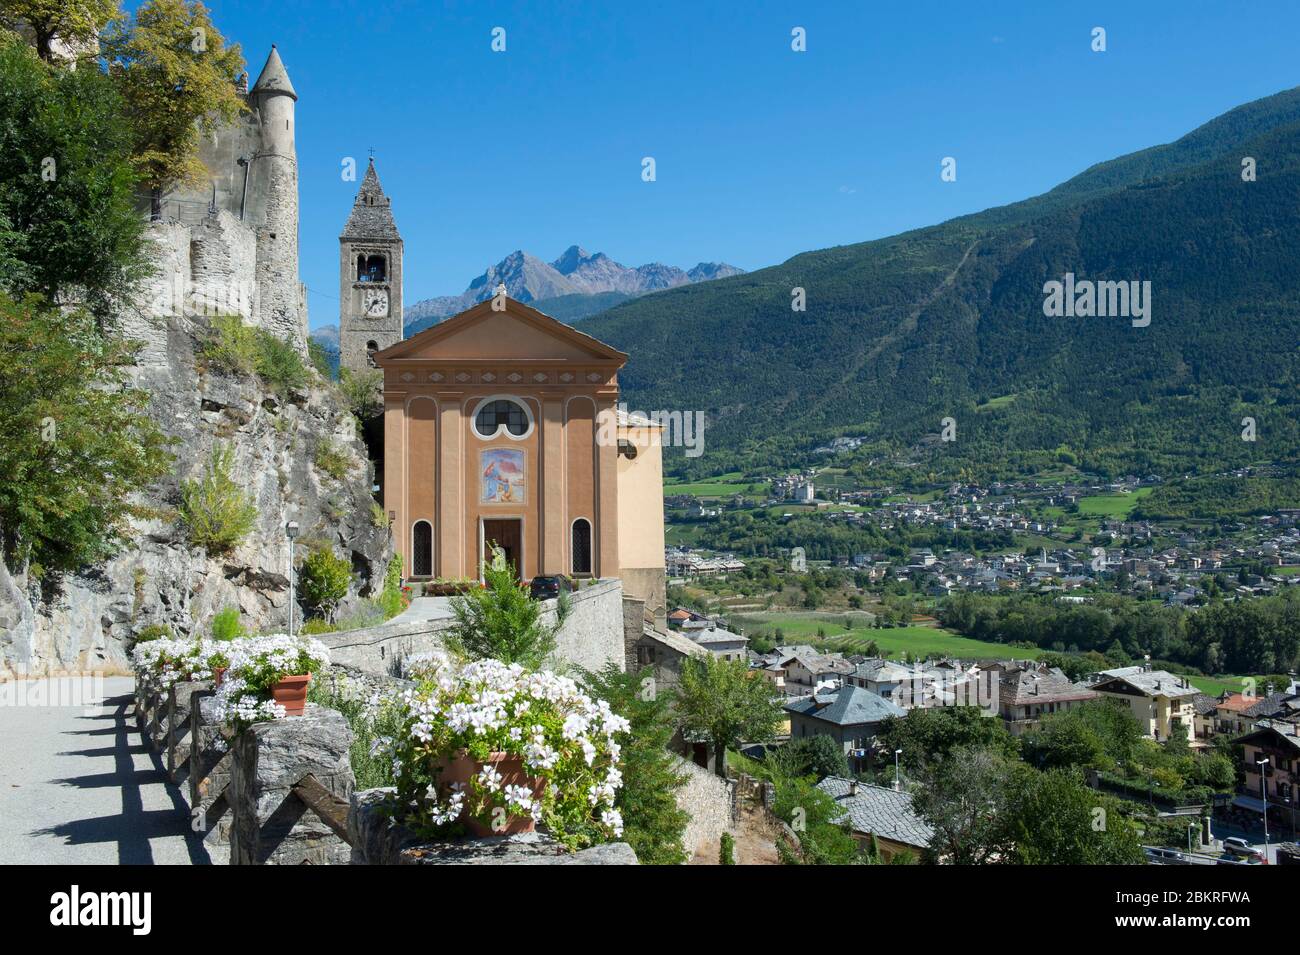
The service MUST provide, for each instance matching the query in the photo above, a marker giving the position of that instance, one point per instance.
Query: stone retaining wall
(710, 801)
(377, 842)
(591, 635)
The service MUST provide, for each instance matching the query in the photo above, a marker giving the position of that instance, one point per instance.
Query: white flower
(614, 819)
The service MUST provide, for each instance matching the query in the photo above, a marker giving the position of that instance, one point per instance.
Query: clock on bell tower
(370, 277)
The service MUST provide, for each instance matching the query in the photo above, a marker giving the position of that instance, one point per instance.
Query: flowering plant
(565, 740)
(161, 663)
(254, 666)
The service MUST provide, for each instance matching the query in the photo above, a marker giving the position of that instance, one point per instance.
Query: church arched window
(581, 546)
(371, 348)
(494, 414)
(422, 549)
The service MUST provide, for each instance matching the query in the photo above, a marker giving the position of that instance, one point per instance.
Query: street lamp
(1262, 763)
(898, 783)
(291, 531)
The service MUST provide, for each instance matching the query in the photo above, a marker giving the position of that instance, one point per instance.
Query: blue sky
(761, 152)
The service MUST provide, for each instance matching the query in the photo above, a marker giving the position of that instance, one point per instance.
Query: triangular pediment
(515, 333)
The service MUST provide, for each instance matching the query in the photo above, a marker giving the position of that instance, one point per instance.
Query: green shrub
(231, 346)
(239, 349)
(369, 722)
(363, 391)
(215, 510)
(391, 599)
(317, 625)
(226, 624)
(324, 579)
(333, 459)
(155, 631)
(378, 516)
(279, 364)
(500, 620)
(726, 850)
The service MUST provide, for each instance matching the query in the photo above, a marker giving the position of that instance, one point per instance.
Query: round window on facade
(501, 413)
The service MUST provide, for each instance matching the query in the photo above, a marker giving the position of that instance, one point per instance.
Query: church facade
(502, 427)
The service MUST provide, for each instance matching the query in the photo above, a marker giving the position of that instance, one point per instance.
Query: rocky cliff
(86, 621)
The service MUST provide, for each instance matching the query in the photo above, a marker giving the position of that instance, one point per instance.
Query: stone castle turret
(283, 307)
(230, 246)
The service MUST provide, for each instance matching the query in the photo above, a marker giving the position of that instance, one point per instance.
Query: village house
(849, 715)
(884, 813)
(1277, 742)
(1028, 692)
(806, 669)
(1159, 700)
(721, 643)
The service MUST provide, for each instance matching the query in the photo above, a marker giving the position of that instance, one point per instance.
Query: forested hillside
(902, 332)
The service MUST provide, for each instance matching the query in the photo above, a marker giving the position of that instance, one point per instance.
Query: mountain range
(949, 321)
(587, 282)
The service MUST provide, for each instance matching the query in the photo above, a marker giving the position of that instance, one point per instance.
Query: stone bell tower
(370, 277)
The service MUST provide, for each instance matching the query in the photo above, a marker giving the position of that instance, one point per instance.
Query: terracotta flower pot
(463, 767)
(218, 674)
(291, 693)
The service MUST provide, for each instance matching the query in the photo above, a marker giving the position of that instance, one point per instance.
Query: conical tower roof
(372, 213)
(274, 77)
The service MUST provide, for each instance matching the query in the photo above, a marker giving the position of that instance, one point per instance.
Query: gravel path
(79, 785)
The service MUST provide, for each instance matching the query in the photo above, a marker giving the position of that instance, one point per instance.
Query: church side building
(501, 426)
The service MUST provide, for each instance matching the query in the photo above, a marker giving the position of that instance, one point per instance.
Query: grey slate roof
(372, 213)
(716, 635)
(1204, 704)
(274, 77)
(879, 811)
(847, 706)
(1275, 704)
(1154, 682)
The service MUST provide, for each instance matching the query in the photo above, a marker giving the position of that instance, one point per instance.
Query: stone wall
(377, 841)
(269, 824)
(710, 801)
(591, 636)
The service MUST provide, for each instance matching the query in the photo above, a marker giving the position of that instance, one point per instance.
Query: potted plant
(267, 677)
(496, 749)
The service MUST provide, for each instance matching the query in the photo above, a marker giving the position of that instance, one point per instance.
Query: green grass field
(1112, 505)
(994, 403)
(1214, 685)
(723, 486)
(895, 641)
(921, 641)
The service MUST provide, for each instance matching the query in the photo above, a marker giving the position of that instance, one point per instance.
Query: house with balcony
(1028, 692)
(1276, 781)
(1160, 701)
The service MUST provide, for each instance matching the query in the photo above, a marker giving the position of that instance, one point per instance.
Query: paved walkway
(425, 608)
(78, 784)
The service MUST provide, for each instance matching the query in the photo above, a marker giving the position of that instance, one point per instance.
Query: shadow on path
(135, 826)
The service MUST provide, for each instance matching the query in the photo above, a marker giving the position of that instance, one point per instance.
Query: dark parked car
(546, 588)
